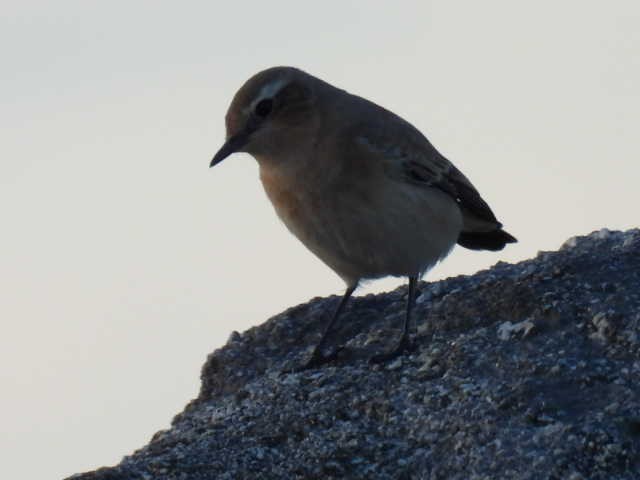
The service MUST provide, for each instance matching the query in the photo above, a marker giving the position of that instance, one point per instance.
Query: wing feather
(414, 160)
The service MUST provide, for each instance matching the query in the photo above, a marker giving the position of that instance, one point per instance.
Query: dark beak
(232, 145)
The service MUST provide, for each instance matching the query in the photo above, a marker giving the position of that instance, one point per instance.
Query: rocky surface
(526, 371)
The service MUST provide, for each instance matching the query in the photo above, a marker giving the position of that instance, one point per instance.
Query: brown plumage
(362, 188)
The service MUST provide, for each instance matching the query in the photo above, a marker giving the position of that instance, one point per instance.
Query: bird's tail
(493, 240)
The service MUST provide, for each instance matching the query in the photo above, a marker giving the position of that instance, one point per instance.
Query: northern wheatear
(362, 188)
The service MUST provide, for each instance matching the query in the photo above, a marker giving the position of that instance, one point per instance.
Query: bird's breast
(290, 197)
(308, 205)
(365, 229)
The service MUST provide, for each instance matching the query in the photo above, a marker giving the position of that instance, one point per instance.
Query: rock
(507, 330)
(605, 330)
(525, 371)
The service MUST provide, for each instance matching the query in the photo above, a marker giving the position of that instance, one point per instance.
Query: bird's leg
(405, 341)
(316, 358)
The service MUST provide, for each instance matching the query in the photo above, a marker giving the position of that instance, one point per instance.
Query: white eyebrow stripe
(268, 91)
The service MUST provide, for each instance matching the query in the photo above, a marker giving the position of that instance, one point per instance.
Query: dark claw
(404, 346)
(317, 359)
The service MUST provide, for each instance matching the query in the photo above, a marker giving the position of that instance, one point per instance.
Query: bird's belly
(393, 229)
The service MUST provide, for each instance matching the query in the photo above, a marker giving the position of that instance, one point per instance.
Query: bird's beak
(232, 145)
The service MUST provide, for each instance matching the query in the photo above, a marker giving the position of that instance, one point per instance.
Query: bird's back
(376, 134)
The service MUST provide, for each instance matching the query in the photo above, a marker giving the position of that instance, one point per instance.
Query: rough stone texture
(526, 371)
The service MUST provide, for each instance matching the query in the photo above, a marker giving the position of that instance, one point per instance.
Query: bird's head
(268, 112)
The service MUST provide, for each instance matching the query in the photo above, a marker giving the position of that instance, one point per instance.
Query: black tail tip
(494, 241)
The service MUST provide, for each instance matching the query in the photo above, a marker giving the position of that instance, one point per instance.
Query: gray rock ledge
(525, 371)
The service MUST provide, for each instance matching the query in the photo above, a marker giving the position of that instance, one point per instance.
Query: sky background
(124, 260)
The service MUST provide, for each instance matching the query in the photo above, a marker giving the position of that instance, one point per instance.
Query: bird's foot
(317, 359)
(405, 345)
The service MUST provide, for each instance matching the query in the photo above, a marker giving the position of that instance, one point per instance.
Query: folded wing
(408, 156)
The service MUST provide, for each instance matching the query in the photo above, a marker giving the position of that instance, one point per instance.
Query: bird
(360, 187)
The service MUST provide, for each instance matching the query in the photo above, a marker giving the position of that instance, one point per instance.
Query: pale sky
(124, 260)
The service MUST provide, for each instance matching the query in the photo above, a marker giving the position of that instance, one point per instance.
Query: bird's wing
(406, 155)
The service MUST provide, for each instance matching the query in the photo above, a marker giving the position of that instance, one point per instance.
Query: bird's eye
(263, 108)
